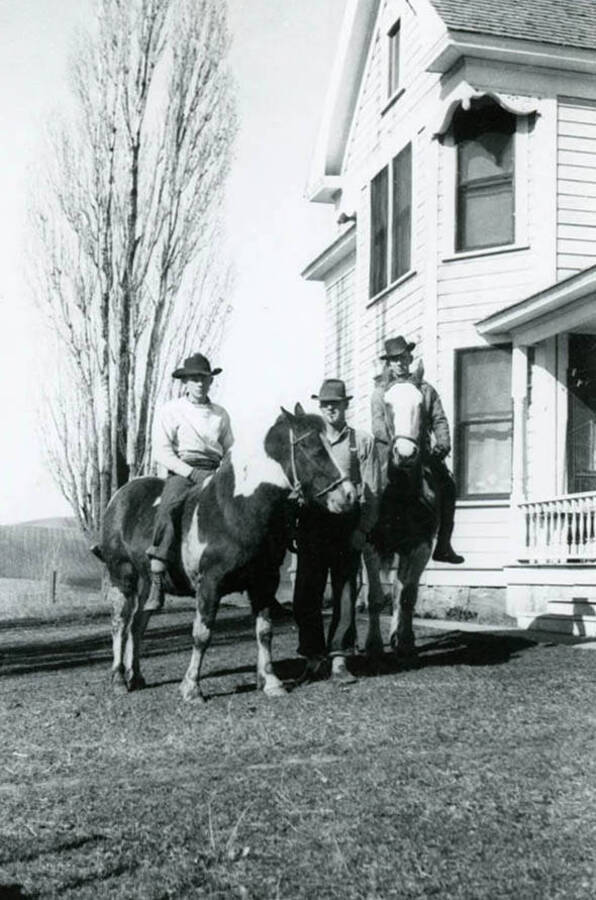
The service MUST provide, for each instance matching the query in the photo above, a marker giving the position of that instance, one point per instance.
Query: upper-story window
(484, 138)
(391, 222)
(393, 41)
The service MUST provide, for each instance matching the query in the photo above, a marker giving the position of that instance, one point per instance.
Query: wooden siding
(482, 536)
(576, 186)
(339, 327)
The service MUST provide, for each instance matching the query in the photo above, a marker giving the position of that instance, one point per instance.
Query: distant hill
(56, 522)
(32, 549)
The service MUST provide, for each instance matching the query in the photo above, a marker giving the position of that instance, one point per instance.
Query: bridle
(413, 459)
(297, 489)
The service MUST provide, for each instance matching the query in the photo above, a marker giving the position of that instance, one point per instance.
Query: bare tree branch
(130, 273)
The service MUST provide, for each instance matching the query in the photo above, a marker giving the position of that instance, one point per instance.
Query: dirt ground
(469, 776)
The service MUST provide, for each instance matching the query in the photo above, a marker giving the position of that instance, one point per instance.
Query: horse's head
(296, 443)
(404, 403)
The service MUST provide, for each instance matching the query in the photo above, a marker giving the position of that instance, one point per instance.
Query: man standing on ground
(332, 544)
(190, 437)
(398, 358)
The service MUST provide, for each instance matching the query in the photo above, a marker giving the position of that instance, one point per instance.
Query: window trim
(449, 225)
(391, 283)
(393, 86)
(459, 457)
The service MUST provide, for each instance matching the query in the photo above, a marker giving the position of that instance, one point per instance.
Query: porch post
(519, 392)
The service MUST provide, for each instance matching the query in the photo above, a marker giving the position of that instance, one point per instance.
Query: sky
(281, 57)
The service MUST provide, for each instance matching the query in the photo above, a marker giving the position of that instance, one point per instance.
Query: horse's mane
(277, 436)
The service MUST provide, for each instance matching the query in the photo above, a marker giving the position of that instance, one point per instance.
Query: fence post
(53, 578)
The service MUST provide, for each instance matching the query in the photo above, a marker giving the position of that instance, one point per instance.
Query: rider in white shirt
(190, 437)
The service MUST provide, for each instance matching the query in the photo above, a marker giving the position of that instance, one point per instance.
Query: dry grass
(32, 550)
(469, 777)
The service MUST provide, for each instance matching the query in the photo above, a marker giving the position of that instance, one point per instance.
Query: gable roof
(570, 23)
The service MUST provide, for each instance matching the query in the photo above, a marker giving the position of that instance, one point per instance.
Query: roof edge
(335, 253)
(458, 43)
(550, 299)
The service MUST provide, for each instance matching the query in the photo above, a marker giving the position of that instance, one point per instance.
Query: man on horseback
(190, 437)
(398, 359)
(332, 544)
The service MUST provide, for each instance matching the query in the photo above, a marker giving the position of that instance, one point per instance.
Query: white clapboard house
(458, 147)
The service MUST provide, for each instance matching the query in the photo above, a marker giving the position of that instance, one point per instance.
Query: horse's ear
(287, 415)
(298, 410)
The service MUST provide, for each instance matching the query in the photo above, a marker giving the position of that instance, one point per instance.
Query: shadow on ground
(45, 654)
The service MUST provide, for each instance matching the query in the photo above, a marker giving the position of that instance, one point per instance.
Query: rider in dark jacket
(398, 356)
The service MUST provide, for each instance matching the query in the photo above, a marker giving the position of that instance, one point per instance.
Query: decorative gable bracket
(463, 97)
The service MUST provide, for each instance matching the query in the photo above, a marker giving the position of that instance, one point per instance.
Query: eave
(334, 254)
(457, 44)
(346, 75)
(561, 306)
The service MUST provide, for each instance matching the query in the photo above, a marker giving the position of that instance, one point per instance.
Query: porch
(552, 581)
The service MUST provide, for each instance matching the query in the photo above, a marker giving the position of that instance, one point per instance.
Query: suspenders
(355, 475)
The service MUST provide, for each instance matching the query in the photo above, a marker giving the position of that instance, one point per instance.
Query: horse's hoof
(406, 653)
(136, 683)
(373, 649)
(275, 690)
(118, 683)
(191, 693)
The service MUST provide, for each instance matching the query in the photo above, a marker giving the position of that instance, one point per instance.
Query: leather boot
(447, 554)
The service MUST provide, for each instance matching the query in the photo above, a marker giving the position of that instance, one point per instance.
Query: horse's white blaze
(192, 548)
(252, 468)
(404, 400)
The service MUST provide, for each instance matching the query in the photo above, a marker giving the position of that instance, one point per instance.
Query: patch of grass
(468, 777)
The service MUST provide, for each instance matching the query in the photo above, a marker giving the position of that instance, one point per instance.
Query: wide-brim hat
(396, 346)
(332, 389)
(197, 364)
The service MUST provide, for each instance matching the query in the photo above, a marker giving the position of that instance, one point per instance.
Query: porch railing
(560, 530)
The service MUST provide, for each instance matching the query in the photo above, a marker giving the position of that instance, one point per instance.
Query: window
(484, 138)
(484, 422)
(581, 423)
(390, 249)
(393, 60)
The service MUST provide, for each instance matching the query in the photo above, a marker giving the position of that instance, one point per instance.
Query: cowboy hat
(396, 346)
(332, 389)
(197, 364)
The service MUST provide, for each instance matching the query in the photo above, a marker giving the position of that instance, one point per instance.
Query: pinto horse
(233, 537)
(406, 525)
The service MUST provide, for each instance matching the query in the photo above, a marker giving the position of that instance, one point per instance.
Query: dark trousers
(447, 495)
(165, 530)
(324, 547)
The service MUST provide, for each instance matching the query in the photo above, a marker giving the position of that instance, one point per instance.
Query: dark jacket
(434, 420)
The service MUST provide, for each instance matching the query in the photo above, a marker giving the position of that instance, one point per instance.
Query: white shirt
(185, 432)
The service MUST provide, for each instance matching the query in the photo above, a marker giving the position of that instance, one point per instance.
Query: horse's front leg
(207, 603)
(373, 645)
(410, 569)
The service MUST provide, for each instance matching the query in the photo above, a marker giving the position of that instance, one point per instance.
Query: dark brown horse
(401, 542)
(233, 537)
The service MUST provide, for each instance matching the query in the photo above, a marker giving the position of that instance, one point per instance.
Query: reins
(297, 490)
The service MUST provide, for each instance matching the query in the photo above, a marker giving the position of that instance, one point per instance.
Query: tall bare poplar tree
(126, 231)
